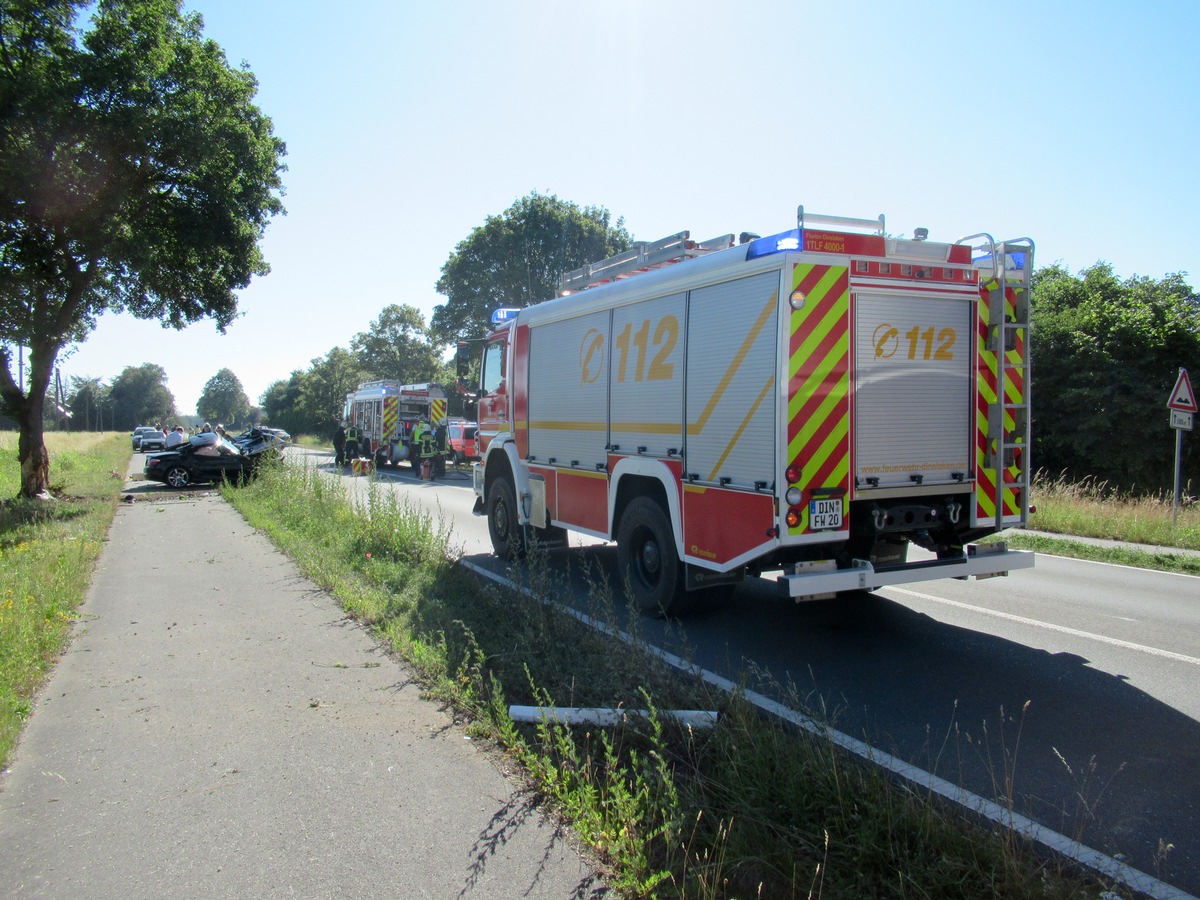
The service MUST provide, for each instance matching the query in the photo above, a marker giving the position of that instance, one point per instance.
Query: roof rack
(876, 225)
(641, 257)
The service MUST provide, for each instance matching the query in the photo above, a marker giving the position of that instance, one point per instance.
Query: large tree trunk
(28, 410)
(35, 461)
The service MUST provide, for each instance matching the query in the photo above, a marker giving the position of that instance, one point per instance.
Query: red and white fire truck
(384, 416)
(809, 404)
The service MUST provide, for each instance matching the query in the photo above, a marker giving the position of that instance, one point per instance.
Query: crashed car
(208, 457)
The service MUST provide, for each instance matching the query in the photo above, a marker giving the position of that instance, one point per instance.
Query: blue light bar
(500, 316)
(784, 242)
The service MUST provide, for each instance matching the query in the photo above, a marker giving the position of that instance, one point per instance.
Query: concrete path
(218, 728)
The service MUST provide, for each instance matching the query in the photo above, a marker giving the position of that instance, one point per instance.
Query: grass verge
(48, 550)
(750, 808)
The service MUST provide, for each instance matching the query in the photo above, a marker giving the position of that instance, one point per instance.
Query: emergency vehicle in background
(386, 415)
(809, 404)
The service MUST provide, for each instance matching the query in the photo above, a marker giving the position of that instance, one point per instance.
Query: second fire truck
(385, 416)
(810, 404)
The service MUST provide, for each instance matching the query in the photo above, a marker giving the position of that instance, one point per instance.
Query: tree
(397, 346)
(516, 258)
(280, 403)
(223, 400)
(1105, 357)
(90, 404)
(136, 174)
(139, 396)
(324, 388)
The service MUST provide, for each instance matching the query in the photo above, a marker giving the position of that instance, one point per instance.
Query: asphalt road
(218, 728)
(1071, 687)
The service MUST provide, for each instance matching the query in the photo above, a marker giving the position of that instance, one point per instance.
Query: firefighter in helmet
(353, 439)
(423, 445)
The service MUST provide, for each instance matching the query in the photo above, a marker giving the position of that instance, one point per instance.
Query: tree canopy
(398, 346)
(224, 400)
(139, 396)
(1106, 354)
(136, 174)
(516, 258)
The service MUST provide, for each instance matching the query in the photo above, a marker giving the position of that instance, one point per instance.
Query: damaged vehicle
(208, 457)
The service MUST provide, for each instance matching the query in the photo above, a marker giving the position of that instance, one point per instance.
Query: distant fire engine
(383, 419)
(809, 404)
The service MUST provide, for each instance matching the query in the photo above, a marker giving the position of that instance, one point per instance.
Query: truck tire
(506, 532)
(647, 560)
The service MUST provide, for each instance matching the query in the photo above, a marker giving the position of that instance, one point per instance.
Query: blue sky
(407, 124)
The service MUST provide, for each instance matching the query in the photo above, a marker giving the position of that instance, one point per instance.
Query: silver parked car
(137, 435)
(153, 440)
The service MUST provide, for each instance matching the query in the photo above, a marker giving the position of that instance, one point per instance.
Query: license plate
(825, 513)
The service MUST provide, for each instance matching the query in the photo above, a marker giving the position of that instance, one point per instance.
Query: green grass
(1093, 510)
(48, 550)
(751, 808)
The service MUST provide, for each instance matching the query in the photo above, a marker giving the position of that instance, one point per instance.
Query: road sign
(1182, 420)
(1183, 398)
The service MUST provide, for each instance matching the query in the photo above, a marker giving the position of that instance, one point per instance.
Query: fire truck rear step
(817, 581)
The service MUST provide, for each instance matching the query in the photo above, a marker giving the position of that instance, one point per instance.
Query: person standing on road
(175, 437)
(339, 445)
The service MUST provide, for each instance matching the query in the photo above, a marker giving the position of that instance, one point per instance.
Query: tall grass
(1091, 508)
(751, 808)
(48, 550)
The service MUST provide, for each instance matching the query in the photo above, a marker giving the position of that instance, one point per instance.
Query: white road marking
(1049, 626)
(1034, 831)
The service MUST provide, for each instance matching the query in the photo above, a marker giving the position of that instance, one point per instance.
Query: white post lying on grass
(692, 718)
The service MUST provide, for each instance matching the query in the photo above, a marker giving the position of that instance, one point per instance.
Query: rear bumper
(981, 561)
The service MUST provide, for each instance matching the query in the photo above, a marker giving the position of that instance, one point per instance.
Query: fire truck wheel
(646, 557)
(508, 537)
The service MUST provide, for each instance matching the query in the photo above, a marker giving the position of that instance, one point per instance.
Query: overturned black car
(208, 457)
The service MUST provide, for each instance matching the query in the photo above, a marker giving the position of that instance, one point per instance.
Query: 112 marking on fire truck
(808, 404)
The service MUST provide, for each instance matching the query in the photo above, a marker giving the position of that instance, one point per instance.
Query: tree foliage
(280, 404)
(136, 174)
(323, 389)
(397, 346)
(223, 400)
(139, 396)
(516, 258)
(90, 403)
(1106, 354)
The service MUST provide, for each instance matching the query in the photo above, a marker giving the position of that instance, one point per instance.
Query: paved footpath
(218, 728)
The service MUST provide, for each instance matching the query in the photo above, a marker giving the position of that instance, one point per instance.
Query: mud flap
(697, 579)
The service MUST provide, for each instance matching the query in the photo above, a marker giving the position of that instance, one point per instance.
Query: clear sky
(408, 123)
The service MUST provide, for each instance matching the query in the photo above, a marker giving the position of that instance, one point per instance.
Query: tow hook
(880, 518)
(953, 509)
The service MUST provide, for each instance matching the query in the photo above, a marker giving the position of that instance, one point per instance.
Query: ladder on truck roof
(641, 257)
(1006, 291)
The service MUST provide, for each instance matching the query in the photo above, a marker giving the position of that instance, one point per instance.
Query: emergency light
(500, 316)
(784, 242)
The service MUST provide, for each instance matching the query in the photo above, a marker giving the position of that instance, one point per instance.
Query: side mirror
(462, 358)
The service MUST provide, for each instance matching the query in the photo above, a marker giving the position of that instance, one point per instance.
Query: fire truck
(386, 415)
(809, 406)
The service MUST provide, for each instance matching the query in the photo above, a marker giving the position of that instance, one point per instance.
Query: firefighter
(353, 436)
(339, 445)
(423, 445)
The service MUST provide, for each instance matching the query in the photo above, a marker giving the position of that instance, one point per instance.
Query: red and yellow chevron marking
(437, 412)
(391, 412)
(819, 381)
(1014, 390)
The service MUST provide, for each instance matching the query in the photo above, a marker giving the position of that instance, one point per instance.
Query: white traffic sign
(1182, 420)
(1183, 398)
